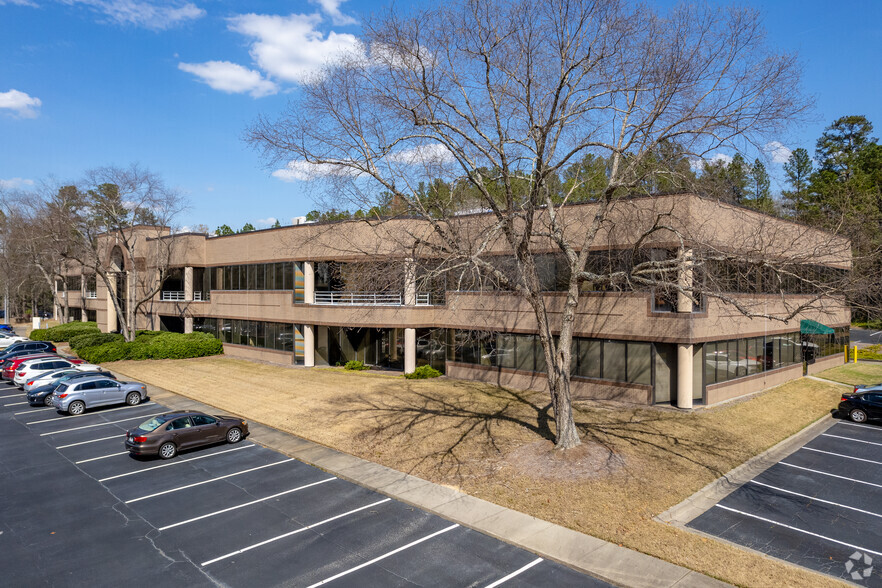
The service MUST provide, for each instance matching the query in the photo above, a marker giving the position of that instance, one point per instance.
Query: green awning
(810, 327)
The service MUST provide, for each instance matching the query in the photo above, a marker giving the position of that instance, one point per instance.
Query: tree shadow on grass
(449, 430)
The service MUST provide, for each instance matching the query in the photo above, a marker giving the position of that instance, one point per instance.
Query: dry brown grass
(494, 443)
(855, 373)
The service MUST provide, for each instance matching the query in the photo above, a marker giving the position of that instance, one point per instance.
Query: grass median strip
(495, 443)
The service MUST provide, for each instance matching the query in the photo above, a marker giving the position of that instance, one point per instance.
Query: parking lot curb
(694, 506)
(598, 558)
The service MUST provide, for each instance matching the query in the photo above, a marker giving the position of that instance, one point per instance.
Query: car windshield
(153, 423)
(61, 388)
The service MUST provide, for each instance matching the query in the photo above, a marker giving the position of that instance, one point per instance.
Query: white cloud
(302, 171)
(778, 152)
(290, 47)
(435, 153)
(15, 183)
(20, 104)
(332, 9)
(18, 3)
(699, 164)
(266, 222)
(155, 15)
(231, 78)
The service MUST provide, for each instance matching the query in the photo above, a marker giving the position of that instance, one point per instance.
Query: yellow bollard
(855, 353)
(845, 351)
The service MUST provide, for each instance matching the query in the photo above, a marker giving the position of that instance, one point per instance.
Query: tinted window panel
(639, 363)
(614, 367)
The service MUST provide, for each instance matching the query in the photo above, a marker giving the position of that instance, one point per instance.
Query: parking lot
(820, 507)
(77, 509)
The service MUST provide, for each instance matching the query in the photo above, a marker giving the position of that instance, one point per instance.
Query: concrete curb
(711, 494)
(604, 560)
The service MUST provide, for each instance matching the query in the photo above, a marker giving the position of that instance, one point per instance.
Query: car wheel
(167, 450)
(48, 400)
(857, 415)
(234, 435)
(76, 407)
(133, 399)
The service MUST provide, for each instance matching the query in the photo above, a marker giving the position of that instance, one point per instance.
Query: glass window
(505, 350)
(614, 361)
(589, 358)
(259, 333)
(270, 280)
(525, 352)
(286, 337)
(201, 419)
(540, 355)
(288, 276)
(260, 276)
(278, 278)
(741, 369)
(181, 423)
(639, 363)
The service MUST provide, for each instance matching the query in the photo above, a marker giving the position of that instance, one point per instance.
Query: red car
(10, 366)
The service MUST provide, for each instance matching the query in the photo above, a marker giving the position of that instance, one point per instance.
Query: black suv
(26, 347)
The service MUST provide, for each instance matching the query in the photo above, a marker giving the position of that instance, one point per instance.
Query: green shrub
(355, 366)
(64, 332)
(153, 345)
(868, 352)
(423, 372)
(104, 352)
(93, 339)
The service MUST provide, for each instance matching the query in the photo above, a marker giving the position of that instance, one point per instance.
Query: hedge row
(93, 339)
(153, 345)
(64, 332)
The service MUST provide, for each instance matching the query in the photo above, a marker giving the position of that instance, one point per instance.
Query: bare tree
(120, 220)
(499, 99)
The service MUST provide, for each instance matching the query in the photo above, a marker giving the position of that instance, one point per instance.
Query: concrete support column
(309, 345)
(111, 309)
(309, 282)
(409, 282)
(684, 280)
(188, 324)
(409, 351)
(684, 376)
(188, 283)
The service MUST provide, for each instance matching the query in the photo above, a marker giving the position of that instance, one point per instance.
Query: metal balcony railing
(369, 298)
(171, 296)
(91, 294)
(197, 295)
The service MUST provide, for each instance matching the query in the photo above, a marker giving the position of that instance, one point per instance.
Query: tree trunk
(567, 435)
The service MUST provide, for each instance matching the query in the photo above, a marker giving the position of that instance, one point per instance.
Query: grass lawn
(855, 373)
(494, 443)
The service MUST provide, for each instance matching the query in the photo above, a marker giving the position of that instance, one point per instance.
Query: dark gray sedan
(166, 434)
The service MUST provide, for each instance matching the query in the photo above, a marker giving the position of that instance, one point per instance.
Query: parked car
(864, 404)
(5, 326)
(12, 364)
(27, 346)
(55, 375)
(35, 367)
(165, 435)
(76, 397)
(7, 338)
(42, 395)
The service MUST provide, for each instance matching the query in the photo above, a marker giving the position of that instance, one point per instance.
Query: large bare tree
(502, 99)
(117, 223)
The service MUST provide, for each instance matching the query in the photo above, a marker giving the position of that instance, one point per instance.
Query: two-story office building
(305, 295)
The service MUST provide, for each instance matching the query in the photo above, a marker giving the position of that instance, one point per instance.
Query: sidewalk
(595, 557)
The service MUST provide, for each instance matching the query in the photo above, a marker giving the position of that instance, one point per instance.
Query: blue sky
(172, 85)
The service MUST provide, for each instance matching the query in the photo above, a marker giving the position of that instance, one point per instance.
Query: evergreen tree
(842, 143)
(277, 224)
(798, 171)
(247, 228)
(223, 230)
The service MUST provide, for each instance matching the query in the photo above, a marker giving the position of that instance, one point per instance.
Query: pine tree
(798, 171)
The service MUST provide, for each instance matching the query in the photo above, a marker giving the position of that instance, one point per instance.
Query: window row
(618, 361)
(268, 335)
(727, 360)
(825, 345)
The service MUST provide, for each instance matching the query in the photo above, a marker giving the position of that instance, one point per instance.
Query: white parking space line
(93, 413)
(384, 556)
(518, 572)
(849, 439)
(877, 429)
(102, 457)
(300, 530)
(118, 436)
(14, 404)
(269, 465)
(238, 506)
(105, 423)
(174, 463)
(35, 410)
(798, 530)
(11, 395)
(844, 456)
(829, 474)
(816, 499)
